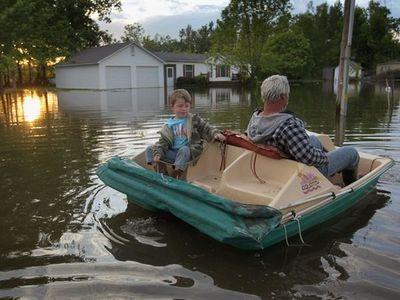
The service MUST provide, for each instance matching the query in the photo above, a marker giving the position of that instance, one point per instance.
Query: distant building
(332, 73)
(129, 65)
(355, 72)
(388, 67)
(221, 70)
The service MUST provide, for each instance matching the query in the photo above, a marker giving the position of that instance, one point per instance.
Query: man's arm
(300, 147)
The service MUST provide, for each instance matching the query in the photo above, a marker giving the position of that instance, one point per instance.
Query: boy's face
(181, 108)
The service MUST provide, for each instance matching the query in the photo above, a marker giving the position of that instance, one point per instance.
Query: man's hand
(157, 158)
(220, 137)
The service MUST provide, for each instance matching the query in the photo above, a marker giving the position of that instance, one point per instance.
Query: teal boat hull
(249, 227)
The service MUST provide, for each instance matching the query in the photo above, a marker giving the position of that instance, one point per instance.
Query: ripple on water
(112, 280)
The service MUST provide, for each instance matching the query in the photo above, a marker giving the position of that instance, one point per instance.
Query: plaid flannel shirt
(291, 138)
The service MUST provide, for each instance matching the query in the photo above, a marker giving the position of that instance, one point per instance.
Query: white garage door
(147, 77)
(118, 77)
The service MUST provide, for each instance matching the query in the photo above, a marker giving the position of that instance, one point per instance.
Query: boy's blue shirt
(197, 131)
(179, 129)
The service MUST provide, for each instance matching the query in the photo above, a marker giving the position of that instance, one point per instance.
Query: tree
(373, 39)
(202, 39)
(287, 53)
(43, 30)
(244, 28)
(322, 26)
(187, 39)
(133, 33)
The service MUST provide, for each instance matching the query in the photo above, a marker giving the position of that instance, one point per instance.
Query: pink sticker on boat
(309, 182)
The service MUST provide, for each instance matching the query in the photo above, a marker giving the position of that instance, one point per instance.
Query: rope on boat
(303, 243)
(299, 226)
(286, 237)
(165, 180)
(253, 160)
(222, 165)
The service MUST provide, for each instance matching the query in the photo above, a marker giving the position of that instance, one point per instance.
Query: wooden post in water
(343, 80)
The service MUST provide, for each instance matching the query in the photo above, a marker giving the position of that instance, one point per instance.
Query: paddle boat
(243, 197)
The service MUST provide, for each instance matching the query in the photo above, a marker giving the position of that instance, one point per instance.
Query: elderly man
(273, 126)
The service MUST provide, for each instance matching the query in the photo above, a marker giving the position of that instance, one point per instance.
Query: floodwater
(63, 234)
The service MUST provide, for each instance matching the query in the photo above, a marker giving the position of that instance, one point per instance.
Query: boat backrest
(273, 182)
(240, 140)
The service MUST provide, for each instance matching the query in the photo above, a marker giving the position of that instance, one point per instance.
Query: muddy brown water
(63, 234)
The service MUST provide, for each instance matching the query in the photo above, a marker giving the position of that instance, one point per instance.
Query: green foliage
(199, 80)
(42, 30)
(287, 53)
(244, 28)
(322, 26)
(133, 33)
(190, 41)
(372, 41)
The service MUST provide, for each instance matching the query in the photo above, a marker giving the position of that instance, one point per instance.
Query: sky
(167, 17)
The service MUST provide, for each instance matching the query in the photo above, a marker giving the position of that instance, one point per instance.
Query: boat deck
(287, 184)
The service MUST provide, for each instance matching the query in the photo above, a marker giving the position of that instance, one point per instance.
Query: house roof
(181, 57)
(353, 64)
(93, 55)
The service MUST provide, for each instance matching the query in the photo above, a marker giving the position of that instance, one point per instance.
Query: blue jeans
(179, 157)
(339, 159)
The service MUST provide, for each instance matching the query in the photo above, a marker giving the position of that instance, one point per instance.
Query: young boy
(181, 136)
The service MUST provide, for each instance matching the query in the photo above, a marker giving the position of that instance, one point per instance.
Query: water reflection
(31, 108)
(145, 102)
(352, 89)
(26, 106)
(135, 102)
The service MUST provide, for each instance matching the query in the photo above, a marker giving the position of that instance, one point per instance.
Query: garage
(118, 77)
(147, 77)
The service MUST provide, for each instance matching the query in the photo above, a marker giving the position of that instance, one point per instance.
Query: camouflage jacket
(197, 131)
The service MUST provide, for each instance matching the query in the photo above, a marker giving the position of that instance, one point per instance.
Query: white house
(114, 66)
(220, 70)
(355, 72)
(187, 65)
(128, 65)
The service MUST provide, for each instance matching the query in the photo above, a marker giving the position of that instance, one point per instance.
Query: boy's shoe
(176, 173)
(161, 168)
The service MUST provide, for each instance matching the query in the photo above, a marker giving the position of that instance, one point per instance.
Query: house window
(223, 71)
(169, 72)
(188, 71)
(132, 50)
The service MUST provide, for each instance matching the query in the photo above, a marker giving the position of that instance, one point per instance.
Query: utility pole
(343, 80)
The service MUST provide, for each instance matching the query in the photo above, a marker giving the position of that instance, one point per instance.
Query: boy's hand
(220, 137)
(156, 158)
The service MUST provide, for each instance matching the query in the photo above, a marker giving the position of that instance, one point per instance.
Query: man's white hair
(274, 87)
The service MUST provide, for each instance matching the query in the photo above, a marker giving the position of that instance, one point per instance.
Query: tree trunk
(7, 77)
(41, 78)
(44, 77)
(30, 73)
(19, 70)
